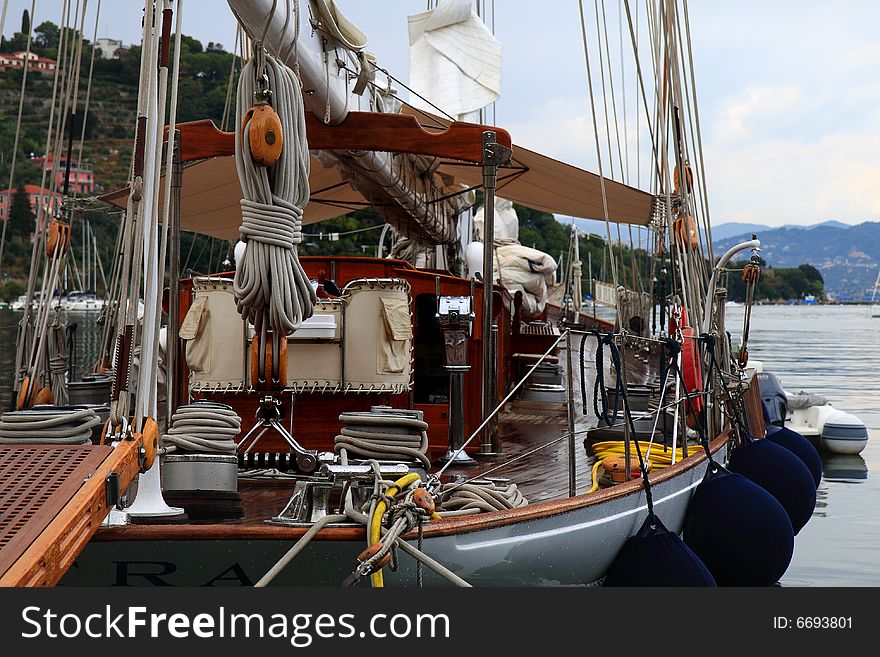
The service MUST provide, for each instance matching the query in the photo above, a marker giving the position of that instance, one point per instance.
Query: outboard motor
(773, 397)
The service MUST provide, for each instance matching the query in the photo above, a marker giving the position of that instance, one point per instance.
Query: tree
(25, 22)
(47, 35)
(21, 215)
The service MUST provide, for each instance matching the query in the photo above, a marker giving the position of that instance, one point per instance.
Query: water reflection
(830, 351)
(844, 467)
(88, 336)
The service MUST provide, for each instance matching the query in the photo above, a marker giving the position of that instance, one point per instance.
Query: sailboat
(313, 407)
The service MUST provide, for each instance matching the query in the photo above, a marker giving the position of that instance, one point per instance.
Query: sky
(788, 90)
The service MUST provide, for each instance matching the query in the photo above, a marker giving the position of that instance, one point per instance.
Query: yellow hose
(658, 456)
(596, 467)
(606, 448)
(376, 521)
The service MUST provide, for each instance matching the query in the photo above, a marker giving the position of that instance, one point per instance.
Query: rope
(85, 119)
(203, 427)
(598, 147)
(57, 358)
(21, 95)
(298, 547)
(269, 276)
(48, 427)
(478, 496)
(383, 436)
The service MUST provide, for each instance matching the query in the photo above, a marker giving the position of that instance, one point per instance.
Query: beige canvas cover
(378, 335)
(211, 193)
(395, 335)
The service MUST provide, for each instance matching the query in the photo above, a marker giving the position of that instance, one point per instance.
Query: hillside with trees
(205, 92)
(108, 136)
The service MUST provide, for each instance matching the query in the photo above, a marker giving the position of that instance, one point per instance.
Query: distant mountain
(733, 228)
(828, 224)
(847, 256)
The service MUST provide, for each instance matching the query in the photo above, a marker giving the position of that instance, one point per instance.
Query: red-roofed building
(82, 176)
(35, 62)
(38, 196)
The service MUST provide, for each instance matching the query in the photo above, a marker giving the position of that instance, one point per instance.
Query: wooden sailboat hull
(567, 542)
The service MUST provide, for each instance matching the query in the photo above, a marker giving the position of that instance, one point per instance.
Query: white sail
(455, 61)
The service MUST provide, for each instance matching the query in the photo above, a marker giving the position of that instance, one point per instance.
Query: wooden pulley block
(58, 237)
(44, 396)
(685, 231)
(742, 356)
(423, 499)
(282, 361)
(149, 436)
(255, 362)
(267, 364)
(689, 175)
(751, 273)
(114, 433)
(265, 135)
(370, 551)
(24, 399)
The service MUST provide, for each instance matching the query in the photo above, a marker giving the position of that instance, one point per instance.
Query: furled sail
(518, 268)
(455, 61)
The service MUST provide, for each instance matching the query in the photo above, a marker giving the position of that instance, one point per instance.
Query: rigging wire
(687, 26)
(598, 147)
(43, 209)
(85, 119)
(21, 96)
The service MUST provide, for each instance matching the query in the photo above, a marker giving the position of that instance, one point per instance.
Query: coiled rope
(478, 496)
(203, 427)
(57, 358)
(269, 277)
(49, 426)
(384, 437)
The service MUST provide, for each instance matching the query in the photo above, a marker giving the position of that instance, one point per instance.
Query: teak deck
(52, 500)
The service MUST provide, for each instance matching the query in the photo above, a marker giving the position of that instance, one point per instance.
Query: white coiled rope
(479, 496)
(48, 426)
(383, 436)
(203, 428)
(269, 278)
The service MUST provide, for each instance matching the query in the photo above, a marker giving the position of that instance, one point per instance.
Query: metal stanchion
(494, 154)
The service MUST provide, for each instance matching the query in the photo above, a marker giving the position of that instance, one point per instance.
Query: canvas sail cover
(454, 60)
(505, 226)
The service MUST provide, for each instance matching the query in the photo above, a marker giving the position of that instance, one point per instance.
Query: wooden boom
(360, 131)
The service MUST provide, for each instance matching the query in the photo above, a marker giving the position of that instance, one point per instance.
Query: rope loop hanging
(270, 285)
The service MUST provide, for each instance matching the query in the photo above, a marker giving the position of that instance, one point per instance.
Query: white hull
(84, 306)
(829, 429)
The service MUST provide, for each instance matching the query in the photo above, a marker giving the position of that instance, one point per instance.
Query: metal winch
(325, 493)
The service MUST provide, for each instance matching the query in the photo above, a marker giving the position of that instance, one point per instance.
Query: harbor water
(833, 351)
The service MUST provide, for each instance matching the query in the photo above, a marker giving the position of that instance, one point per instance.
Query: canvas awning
(211, 193)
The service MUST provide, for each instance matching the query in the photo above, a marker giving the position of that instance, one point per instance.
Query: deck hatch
(36, 482)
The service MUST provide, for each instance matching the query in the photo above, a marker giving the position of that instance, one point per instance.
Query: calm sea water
(833, 351)
(830, 350)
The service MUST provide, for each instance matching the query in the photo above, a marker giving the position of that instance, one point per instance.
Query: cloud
(743, 115)
(791, 181)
